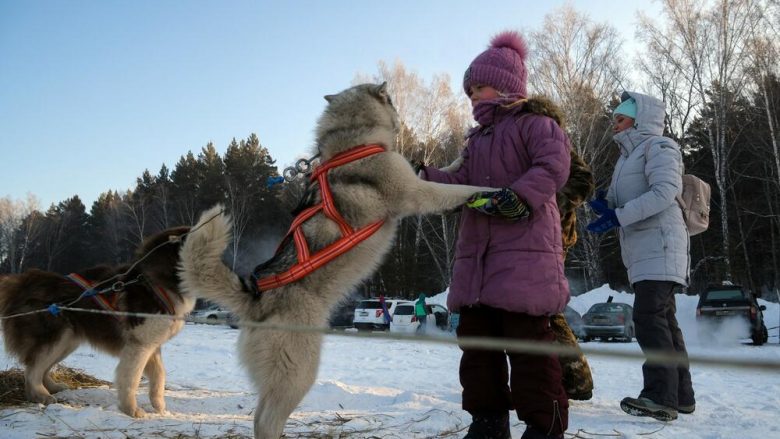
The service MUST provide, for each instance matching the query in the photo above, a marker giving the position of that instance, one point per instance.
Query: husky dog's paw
(159, 405)
(53, 387)
(133, 412)
(42, 398)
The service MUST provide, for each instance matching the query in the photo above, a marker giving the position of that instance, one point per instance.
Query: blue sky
(94, 92)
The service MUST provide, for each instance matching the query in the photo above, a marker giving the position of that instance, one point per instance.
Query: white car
(211, 314)
(405, 321)
(369, 314)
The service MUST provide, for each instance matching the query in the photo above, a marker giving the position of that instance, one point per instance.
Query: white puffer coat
(654, 241)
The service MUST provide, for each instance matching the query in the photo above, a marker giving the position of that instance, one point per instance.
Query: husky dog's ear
(381, 91)
(330, 98)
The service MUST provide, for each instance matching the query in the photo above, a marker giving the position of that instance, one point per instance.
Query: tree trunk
(744, 243)
(771, 123)
(440, 265)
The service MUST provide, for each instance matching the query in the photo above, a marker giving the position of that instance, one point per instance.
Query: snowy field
(398, 389)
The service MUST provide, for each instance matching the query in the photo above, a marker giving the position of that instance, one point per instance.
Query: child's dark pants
(533, 386)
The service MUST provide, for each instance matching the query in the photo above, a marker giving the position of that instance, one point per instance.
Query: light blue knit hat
(626, 108)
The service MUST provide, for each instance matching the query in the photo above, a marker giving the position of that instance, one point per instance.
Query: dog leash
(307, 262)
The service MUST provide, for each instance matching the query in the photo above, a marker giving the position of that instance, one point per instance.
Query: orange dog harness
(350, 237)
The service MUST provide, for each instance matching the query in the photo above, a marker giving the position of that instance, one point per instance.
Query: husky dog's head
(358, 115)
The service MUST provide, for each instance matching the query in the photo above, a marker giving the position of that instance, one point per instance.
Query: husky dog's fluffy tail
(202, 272)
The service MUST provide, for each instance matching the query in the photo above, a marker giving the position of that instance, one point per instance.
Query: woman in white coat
(654, 245)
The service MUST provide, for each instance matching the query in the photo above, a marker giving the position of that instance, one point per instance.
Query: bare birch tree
(12, 215)
(10, 220)
(434, 120)
(430, 113)
(19, 225)
(135, 209)
(765, 52)
(708, 44)
(577, 63)
(665, 73)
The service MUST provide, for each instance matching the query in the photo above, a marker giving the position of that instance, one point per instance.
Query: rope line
(518, 346)
(509, 345)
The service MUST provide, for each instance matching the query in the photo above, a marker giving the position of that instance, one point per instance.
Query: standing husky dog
(42, 340)
(379, 187)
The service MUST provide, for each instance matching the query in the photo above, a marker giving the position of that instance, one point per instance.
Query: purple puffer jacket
(515, 266)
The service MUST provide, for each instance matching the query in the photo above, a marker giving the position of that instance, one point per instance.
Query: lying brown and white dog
(41, 340)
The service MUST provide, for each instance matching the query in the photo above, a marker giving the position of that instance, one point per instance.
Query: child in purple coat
(508, 275)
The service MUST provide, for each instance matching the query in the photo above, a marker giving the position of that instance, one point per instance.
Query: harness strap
(163, 297)
(101, 300)
(350, 237)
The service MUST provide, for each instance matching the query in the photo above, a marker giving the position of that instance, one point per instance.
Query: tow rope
(350, 237)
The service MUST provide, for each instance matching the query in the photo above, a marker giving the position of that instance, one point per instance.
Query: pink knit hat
(501, 66)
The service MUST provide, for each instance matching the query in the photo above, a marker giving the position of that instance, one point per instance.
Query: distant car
(574, 319)
(369, 314)
(454, 321)
(232, 320)
(405, 320)
(211, 314)
(724, 309)
(343, 315)
(609, 320)
(442, 316)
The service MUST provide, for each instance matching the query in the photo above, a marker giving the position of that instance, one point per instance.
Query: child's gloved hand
(418, 166)
(605, 222)
(599, 204)
(504, 202)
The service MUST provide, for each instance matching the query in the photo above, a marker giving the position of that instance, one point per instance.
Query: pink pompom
(512, 40)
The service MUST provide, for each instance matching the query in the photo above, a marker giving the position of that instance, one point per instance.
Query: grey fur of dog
(42, 340)
(283, 365)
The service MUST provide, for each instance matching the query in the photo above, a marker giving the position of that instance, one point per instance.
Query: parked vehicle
(724, 309)
(212, 313)
(454, 321)
(609, 320)
(343, 315)
(574, 319)
(232, 320)
(369, 314)
(404, 319)
(442, 316)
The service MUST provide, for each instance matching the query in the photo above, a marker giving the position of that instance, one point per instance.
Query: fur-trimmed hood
(544, 106)
(580, 184)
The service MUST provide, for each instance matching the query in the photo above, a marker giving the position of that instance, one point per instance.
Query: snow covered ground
(399, 389)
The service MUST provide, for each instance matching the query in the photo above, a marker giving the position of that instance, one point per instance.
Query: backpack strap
(678, 197)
